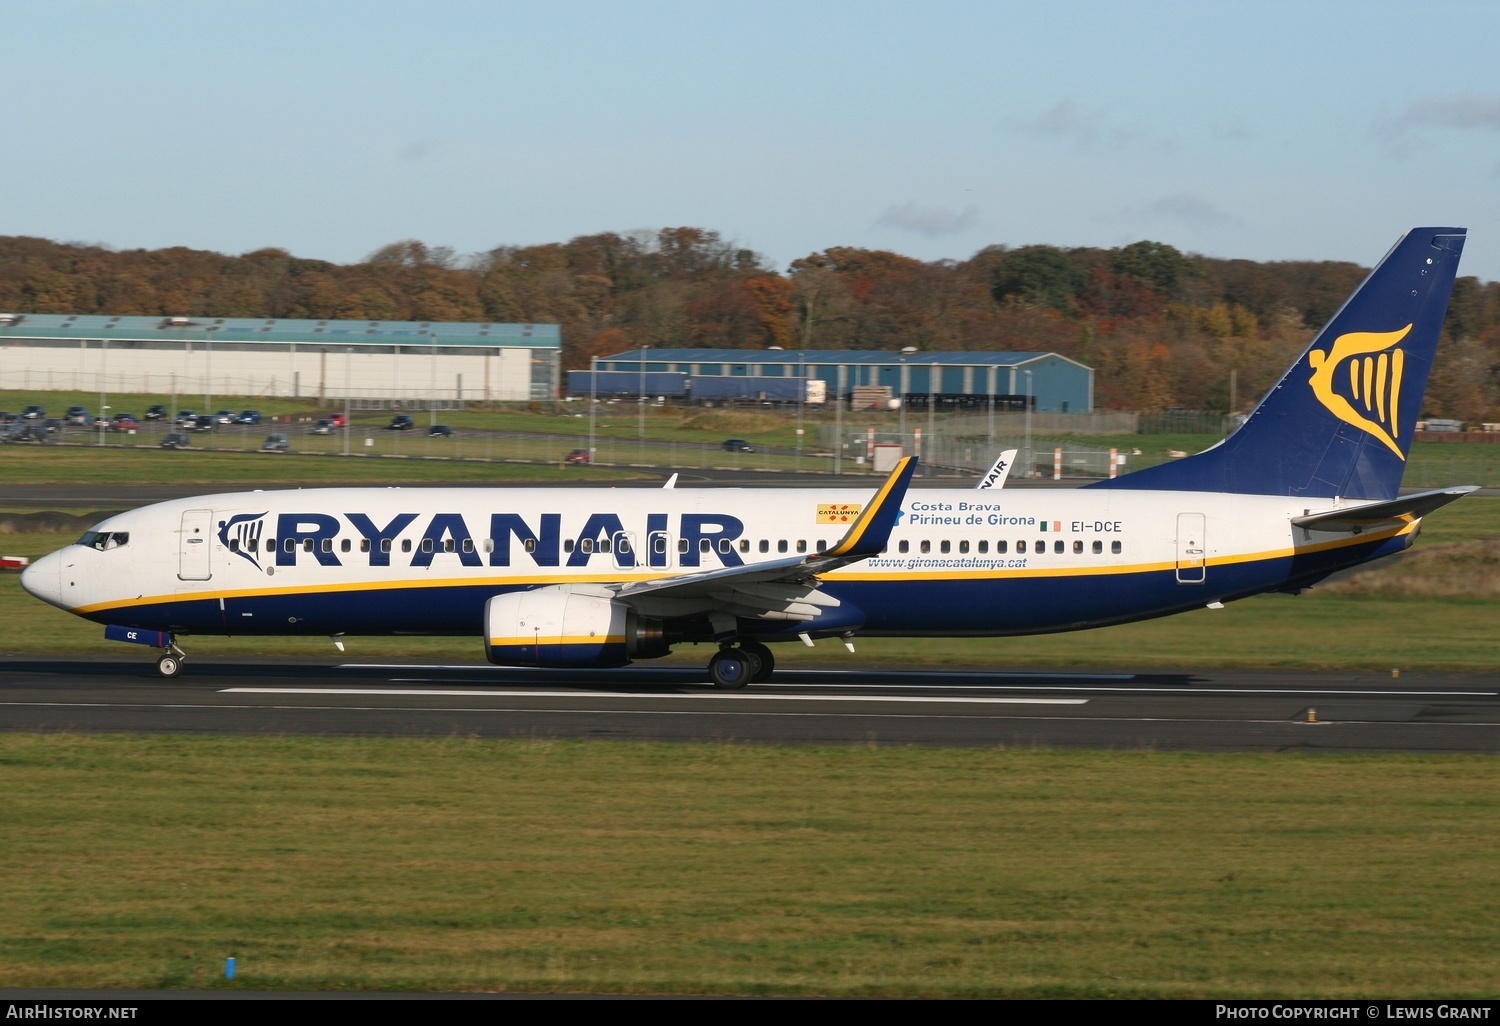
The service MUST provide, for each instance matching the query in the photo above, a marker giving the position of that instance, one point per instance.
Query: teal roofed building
(250, 356)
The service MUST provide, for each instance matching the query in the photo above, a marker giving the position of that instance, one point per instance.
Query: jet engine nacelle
(567, 625)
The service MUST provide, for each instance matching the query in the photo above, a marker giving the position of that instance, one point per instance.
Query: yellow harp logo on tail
(1374, 382)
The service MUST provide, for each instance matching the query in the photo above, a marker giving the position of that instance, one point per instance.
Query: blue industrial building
(1053, 383)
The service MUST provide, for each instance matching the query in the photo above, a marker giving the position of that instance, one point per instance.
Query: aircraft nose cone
(43, 579)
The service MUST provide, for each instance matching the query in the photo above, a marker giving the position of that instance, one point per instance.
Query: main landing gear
(733, 667)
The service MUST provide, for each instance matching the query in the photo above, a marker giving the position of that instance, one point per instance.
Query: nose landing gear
(170, 663)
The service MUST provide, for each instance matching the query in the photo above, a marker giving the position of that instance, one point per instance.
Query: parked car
(156, 413)
(34, 412)
(6, 417)
(440, 431)
(276, 443)
(203, 423)
(225, 417)
(737, 445)
(577, 456)
(26, 433)
(248, 417)
(401, 422)
(186, 418)
(124, 422)
(77, 415)
(339, 420)
(322, 427)
(177, 440)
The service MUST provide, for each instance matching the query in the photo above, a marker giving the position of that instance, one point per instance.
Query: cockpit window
(103, 540)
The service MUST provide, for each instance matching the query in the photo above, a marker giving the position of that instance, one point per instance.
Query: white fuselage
(425, 560)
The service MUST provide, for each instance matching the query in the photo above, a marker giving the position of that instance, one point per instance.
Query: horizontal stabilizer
(1376, 515)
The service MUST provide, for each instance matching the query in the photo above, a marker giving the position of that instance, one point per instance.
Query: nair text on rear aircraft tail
(582, 577)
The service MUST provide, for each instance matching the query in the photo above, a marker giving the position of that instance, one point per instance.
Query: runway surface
(1232, 710)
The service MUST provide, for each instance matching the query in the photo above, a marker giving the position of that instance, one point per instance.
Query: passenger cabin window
(364, 545)
(682, 545)
(270, 544)
(1021, 545)
(1114, 547)
(328, 544)
(426, 544)
(659, 545)
(822, 545)
(385, 545)
(744, 544)
(1002, 546)
(801, 544)
(926, 545)
(449, 545)
(1058, 546)
(1078, 547)
(405, 544)
(904, 546)
(725, 545)
(781, 545)
(984, 547)
(345, 545)
(586, 545)
(529, 545)
(944, 546)
(567, 544)
(1098, 547)
(963, 546)
(704, 545)
(765, 545)
(234, 545)
(1041, 546)
(468, 545)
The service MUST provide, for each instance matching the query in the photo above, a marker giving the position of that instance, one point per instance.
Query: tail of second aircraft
(1340, 422)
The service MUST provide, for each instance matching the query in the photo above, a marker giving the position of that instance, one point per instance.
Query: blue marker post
(229, 968)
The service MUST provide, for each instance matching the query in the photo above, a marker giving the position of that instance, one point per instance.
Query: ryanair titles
(506, 539)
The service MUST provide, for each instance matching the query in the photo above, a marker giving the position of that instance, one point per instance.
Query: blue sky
(1266, 131)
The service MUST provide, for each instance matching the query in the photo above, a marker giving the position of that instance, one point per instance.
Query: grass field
(599, 867)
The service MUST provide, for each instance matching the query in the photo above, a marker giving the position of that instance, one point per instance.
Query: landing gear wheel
(732, 668)
(169, 665)
(767, 660)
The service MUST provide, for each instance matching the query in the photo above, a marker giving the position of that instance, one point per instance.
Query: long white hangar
(242, 356)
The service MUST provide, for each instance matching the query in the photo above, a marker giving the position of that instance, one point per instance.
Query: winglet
(868, 534)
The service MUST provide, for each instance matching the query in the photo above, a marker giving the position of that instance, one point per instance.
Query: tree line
(1163, 329)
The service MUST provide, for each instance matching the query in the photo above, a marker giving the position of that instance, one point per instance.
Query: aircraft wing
(785, 589)
(1376, 515)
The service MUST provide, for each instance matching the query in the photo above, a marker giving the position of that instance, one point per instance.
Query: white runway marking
(717, 696)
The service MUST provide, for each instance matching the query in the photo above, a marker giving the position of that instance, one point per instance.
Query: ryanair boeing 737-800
(1308, 485)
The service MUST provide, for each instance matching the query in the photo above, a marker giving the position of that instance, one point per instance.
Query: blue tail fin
(1340, 422)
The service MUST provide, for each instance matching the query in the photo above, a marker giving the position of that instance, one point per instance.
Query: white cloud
(929, 221)
(1190, 209)
(1462, 112)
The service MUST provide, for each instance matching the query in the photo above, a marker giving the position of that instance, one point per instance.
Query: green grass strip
(461, 864)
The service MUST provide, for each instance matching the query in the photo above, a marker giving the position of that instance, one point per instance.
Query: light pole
(1030, 462)
(801, 398)
(641, 429)
(593, 401)
(103, 385)
(348, 378)
(934, 376)
(838, 425)
(903, 383)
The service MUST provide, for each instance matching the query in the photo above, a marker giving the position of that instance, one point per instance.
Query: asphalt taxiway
(1218, 710)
